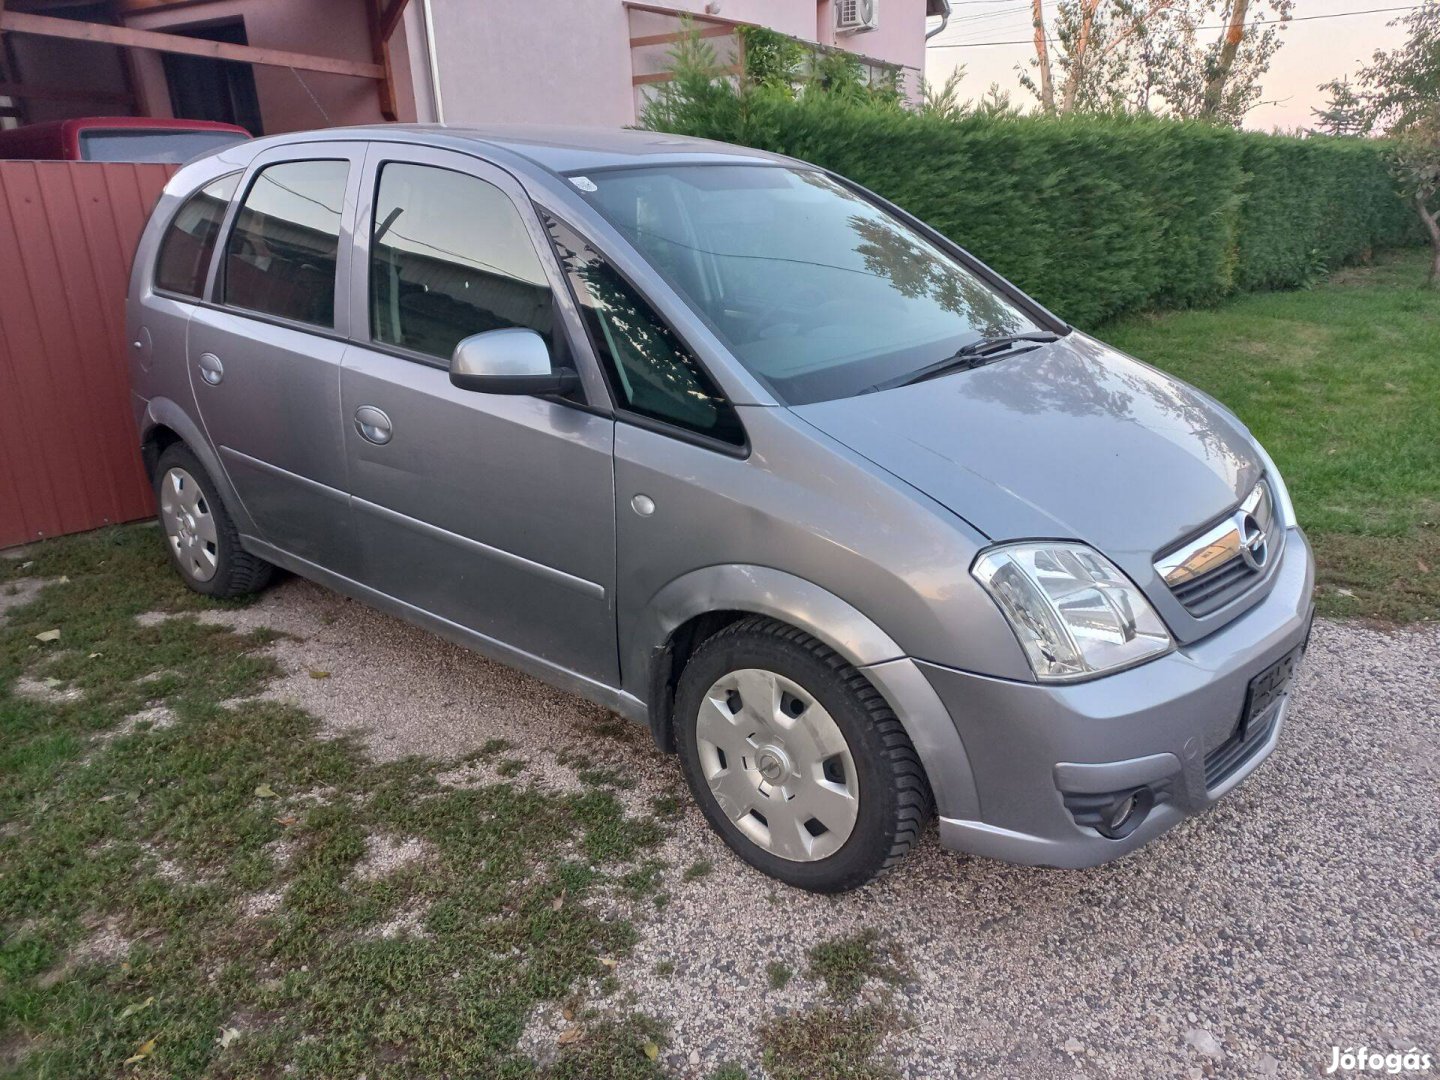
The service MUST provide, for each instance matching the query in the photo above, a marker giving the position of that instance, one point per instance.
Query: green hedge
(1095, 216)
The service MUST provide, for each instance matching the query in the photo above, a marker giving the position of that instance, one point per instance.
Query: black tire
(895, 802)
(236, 571)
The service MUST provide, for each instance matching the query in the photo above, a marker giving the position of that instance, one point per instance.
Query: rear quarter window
(189, 241)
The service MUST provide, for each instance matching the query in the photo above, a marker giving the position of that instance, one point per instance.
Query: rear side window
(650, 371)
(281, 255)
(189, 242)
(450, 257)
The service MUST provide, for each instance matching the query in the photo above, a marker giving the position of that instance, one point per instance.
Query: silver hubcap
(777, 764)
(185, 513)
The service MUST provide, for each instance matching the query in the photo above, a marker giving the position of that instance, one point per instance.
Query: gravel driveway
(1302, 913)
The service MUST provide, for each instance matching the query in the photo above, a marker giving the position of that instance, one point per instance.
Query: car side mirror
(510, 361)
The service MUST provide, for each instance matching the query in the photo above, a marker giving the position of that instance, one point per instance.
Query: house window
(203, 88)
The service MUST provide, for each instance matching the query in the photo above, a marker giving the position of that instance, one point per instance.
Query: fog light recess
(1124, 815)
(1115, 814)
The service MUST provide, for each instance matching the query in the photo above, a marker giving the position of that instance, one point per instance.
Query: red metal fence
(69, 458)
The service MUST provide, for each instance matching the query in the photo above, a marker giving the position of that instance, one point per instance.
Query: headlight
(1278, 489)
(1074, 613)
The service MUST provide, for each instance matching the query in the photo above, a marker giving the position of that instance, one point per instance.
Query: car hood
(1072, 440)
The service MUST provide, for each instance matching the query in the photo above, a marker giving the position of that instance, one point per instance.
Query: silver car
(729, 445)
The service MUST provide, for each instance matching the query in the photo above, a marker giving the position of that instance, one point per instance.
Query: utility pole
(1042, 53)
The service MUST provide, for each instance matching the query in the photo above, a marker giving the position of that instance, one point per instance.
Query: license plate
(1267, 688)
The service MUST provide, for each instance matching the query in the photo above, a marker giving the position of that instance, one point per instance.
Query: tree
(943, 101)
(1417, 169)
(1345, 111)
(995, 102)
(1402, 86)
(1399, 96)
(1154, 56)
(1077, 61)
(1219, 71)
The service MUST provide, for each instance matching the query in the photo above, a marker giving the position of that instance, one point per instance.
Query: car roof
(552, 149)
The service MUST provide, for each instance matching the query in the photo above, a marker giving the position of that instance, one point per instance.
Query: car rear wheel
(795, 759)
(201, 538)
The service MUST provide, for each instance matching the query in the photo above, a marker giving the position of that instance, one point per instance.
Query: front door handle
(211, 370)
(372, 424)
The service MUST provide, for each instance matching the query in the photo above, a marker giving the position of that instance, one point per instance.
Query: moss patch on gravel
(184, 897)
(827, 1044)
(845, 964)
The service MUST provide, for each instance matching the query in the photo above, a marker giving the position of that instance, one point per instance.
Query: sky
(1313, 53)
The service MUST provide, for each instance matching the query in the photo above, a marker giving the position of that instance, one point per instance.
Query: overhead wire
(1218, 26)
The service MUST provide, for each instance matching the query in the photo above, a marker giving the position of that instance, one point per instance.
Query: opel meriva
(730, 445)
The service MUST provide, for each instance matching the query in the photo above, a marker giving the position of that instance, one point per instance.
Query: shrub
(1092, 215)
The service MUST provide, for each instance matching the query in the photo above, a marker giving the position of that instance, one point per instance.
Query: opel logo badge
(772, 764)
(1253, 548)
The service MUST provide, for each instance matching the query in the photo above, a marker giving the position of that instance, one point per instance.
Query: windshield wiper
(978, 353)
(986, 346)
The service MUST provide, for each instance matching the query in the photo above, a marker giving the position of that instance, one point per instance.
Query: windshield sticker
(584, 183)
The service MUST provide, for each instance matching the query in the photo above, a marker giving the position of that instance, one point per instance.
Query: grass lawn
(1341, 383)
(179, 893)
(199, 882)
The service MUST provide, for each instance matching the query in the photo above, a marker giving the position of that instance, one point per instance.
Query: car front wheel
(795, 759)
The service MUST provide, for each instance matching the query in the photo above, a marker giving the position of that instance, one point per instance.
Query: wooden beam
(390, 19)
(380, 49)
(48, 5)
(145, 7)
(680, 35)
(16, 22)
(695, 17)
(667, 76)
(63, 93)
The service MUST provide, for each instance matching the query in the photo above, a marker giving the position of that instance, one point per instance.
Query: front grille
(1222, 762)
(1214, 589)
(1213, 570)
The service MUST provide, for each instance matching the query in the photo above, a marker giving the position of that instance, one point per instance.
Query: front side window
(189, 242)
(817, 291)
(450, 257)
(649, 370)
(281, 256)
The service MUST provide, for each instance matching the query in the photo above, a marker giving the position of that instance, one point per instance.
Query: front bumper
(1030, 745)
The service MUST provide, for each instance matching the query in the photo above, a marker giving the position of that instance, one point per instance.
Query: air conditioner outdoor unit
(856, 16)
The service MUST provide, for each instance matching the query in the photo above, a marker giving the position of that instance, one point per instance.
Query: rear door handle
(211, 370)
(372, 424)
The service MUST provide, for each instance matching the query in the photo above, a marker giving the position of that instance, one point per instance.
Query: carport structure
(249, 62)
(68, 228)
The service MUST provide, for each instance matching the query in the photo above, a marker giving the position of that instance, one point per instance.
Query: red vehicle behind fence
(119, 138)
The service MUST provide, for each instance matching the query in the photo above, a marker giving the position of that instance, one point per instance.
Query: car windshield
(819, 293)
